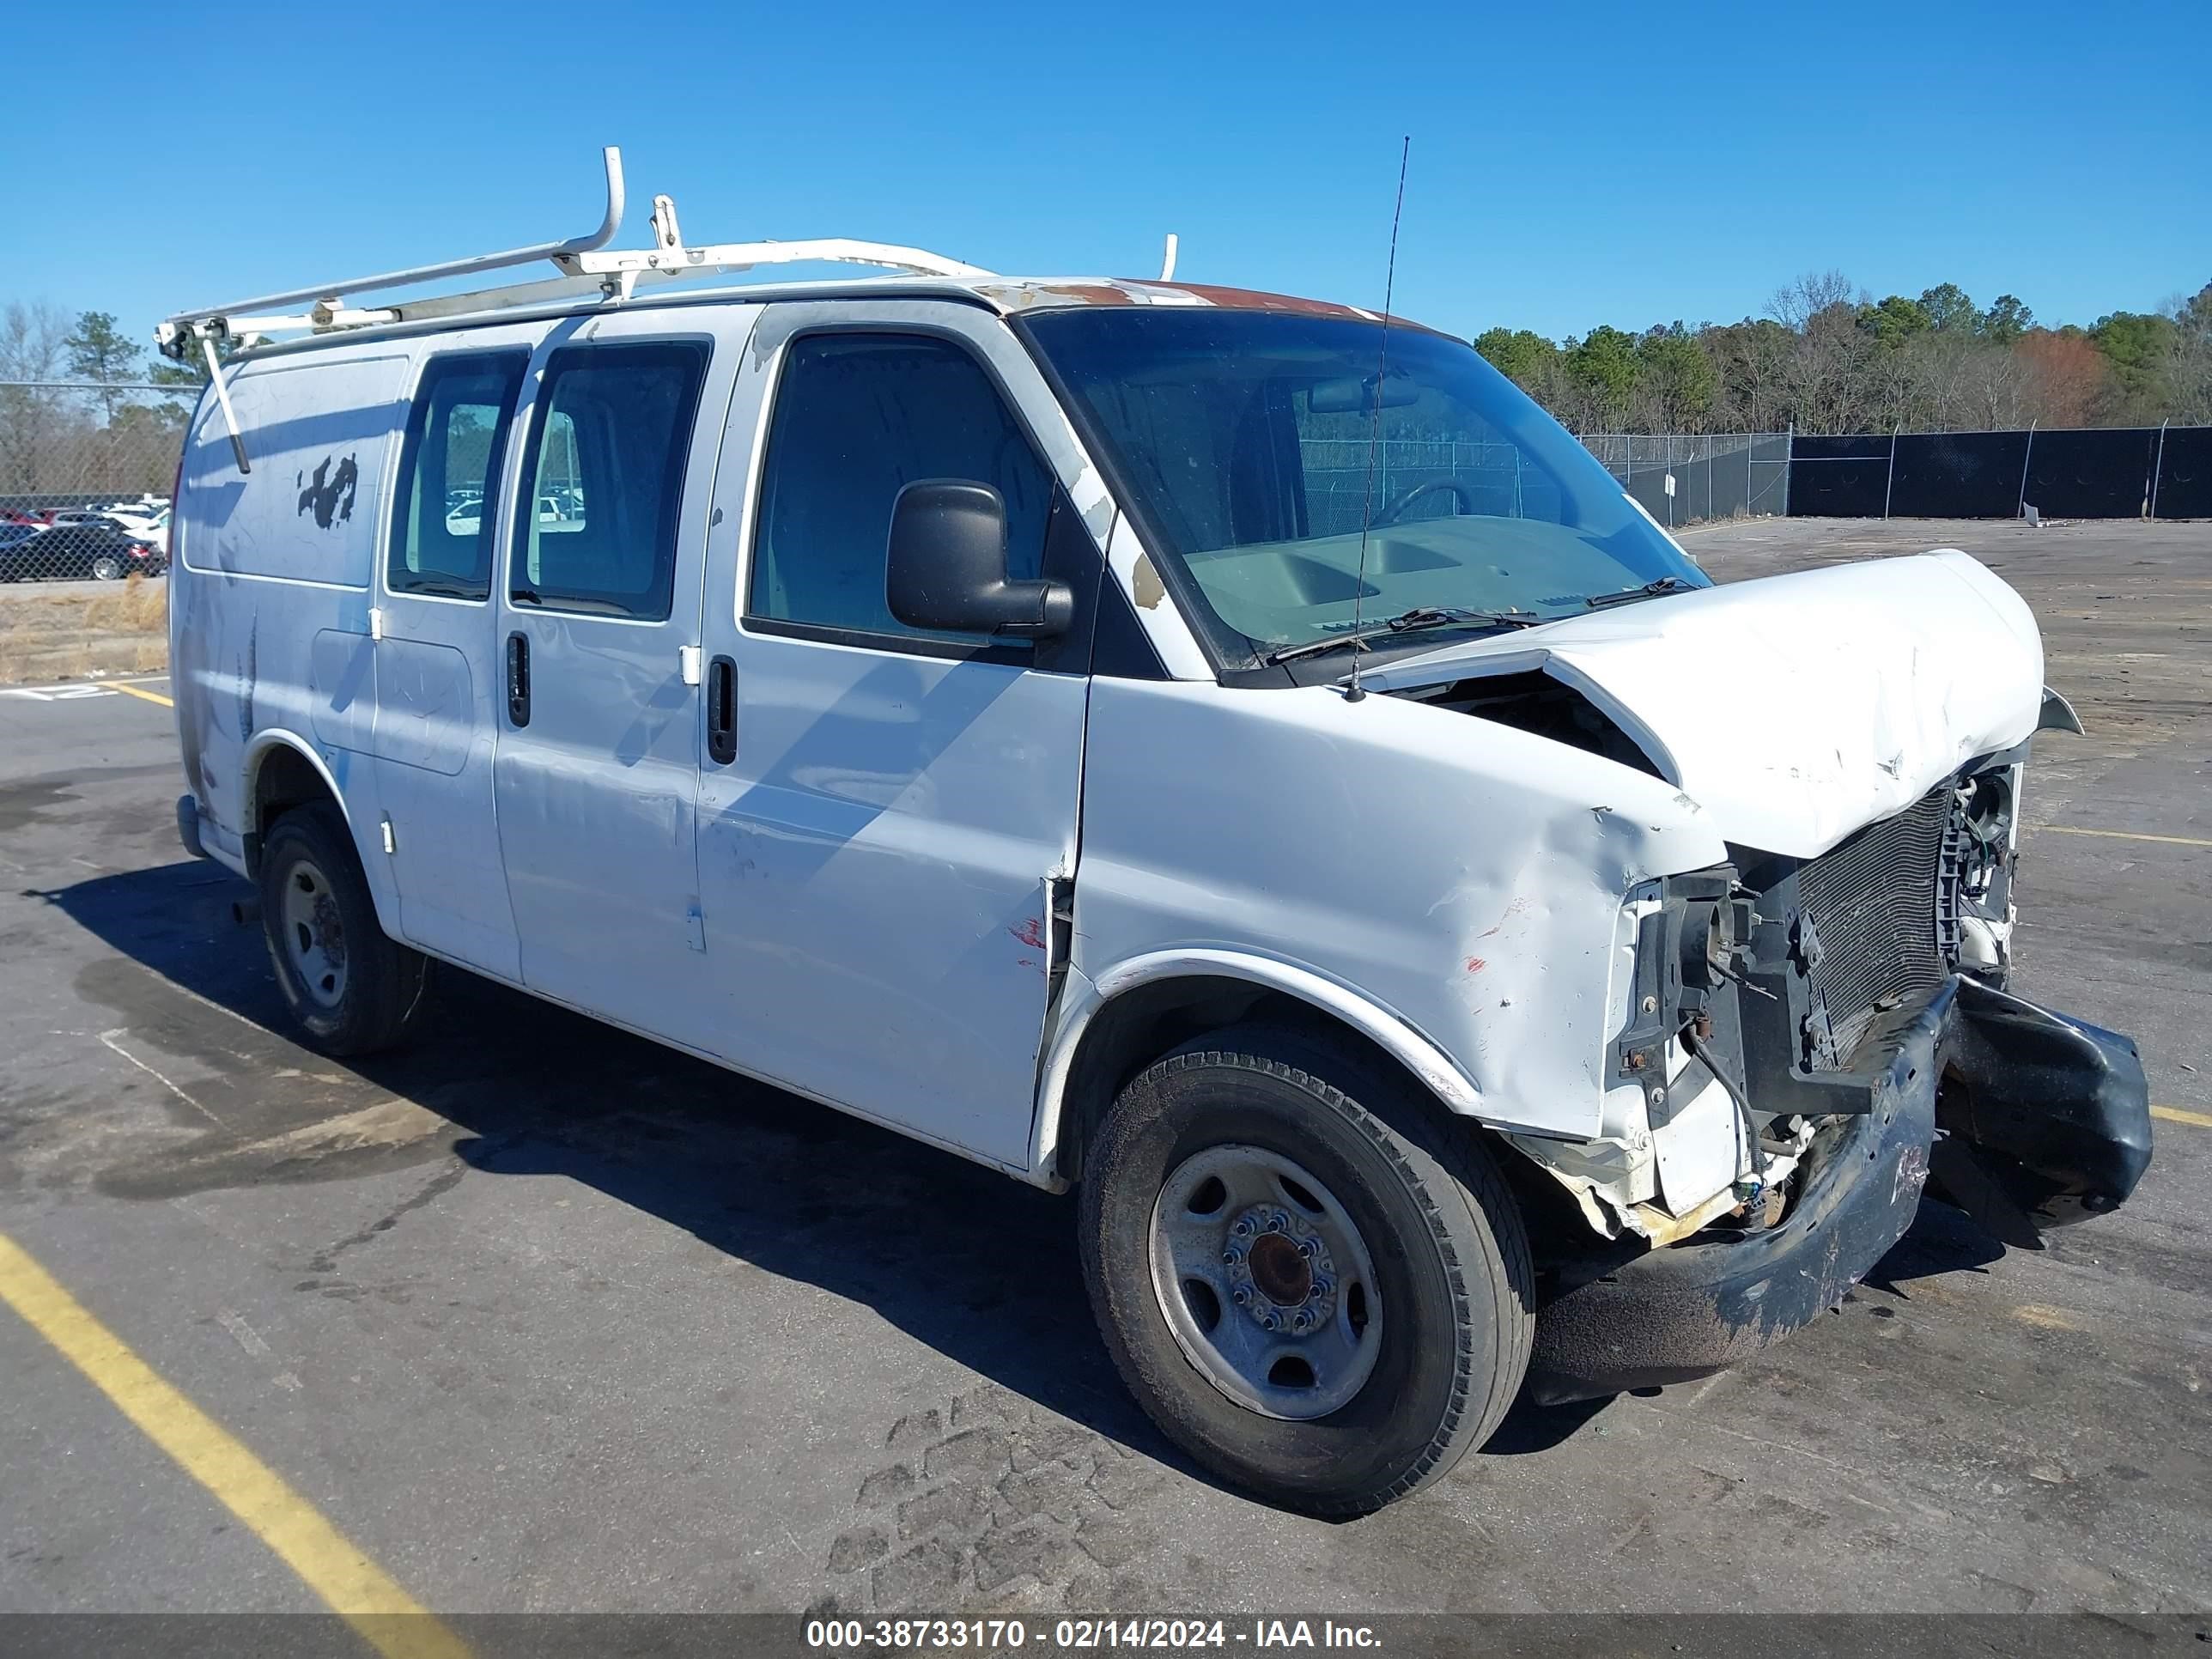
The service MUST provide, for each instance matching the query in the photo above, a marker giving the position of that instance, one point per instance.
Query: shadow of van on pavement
(980, 1267)
(977, 1267)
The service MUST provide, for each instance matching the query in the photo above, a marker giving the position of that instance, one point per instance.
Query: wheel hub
(1265, 1281)
(314, 934)
(1278, 1270)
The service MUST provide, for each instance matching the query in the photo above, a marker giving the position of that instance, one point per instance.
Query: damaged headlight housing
(1675, 943)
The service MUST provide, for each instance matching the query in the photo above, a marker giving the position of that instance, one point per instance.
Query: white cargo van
(1232, 756)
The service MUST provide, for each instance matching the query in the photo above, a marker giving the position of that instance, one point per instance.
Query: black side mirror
(947, 566)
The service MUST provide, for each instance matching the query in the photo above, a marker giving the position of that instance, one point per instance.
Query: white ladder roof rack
(588, 269)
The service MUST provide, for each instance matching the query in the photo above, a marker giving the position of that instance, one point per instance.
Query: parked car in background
(75, 552)
(149, 522)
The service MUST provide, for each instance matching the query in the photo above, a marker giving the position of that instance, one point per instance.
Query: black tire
(383, 985)
(1449, 1252)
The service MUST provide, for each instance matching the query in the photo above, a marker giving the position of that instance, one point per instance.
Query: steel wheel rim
(1265, 1282)
(313, 934)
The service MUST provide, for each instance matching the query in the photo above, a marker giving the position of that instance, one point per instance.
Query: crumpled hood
(1794, 709)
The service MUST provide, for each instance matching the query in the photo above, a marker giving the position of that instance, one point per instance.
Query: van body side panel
(1461, 875)
(270, 595)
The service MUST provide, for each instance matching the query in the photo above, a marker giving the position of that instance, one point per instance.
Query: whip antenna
(1375, 421)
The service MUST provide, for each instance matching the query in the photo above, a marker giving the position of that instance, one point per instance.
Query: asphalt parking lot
(541, 1317)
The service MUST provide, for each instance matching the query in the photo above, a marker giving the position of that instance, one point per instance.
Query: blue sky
(1573, 164)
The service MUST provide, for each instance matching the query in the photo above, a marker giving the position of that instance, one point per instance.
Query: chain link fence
(1684, 479)
(85, 472)
(1680, 480)
(85, 475)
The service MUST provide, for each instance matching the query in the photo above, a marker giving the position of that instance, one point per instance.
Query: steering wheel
(1461, 494)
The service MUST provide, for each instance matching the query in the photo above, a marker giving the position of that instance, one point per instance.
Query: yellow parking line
(349, 1582)
(2175, 1114)
(140, 691)
(2125, 834)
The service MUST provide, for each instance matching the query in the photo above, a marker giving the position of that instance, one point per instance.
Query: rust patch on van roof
(1053, 294)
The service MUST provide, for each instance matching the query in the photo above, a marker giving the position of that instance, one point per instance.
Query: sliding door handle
(722, 711)
(518, 679)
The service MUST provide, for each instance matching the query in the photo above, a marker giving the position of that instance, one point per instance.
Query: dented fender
(1467, 878)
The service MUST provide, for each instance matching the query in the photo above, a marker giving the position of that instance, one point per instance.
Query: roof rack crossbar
(567, 247)
(588, 271)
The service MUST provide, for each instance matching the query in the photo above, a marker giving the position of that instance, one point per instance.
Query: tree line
(1827, 357)
(103, 436)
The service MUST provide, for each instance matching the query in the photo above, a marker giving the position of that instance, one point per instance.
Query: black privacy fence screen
(2101, 472)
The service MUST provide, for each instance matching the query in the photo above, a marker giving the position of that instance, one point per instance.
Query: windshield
(1242, 438)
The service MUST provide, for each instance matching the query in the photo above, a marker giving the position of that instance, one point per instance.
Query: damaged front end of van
(1806, 1036)
(1696, 898)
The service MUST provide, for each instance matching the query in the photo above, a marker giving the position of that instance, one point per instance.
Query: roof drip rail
(590, 273)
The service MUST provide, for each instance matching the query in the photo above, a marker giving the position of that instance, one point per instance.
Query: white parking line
(76, 692)
(60, 694)
(107, 1040)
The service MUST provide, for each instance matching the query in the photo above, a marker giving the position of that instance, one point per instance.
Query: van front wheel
(1315, 1285)
(353, 988)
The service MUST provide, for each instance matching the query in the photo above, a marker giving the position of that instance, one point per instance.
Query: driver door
(880, 836)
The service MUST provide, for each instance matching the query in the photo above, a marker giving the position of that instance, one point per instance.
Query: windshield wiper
(1650, 590)
(1424, 616)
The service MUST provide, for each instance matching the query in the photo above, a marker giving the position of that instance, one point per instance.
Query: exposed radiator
(1884, 914)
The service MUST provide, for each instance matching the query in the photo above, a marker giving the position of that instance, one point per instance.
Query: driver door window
(857, 418)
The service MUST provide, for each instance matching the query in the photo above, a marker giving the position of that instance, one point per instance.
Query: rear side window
(858, 416)
(442, 535)
(595, 524)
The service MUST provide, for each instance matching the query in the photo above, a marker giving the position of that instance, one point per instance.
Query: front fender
(1452, 886)
(1084, 999)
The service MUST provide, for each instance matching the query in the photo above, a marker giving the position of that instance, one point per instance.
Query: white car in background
(146, 520)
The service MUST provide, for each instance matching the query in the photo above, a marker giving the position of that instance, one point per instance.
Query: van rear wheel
(1315, 1285)
(352, 988)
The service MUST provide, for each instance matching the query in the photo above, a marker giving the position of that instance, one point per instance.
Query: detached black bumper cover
(2046, 1119)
